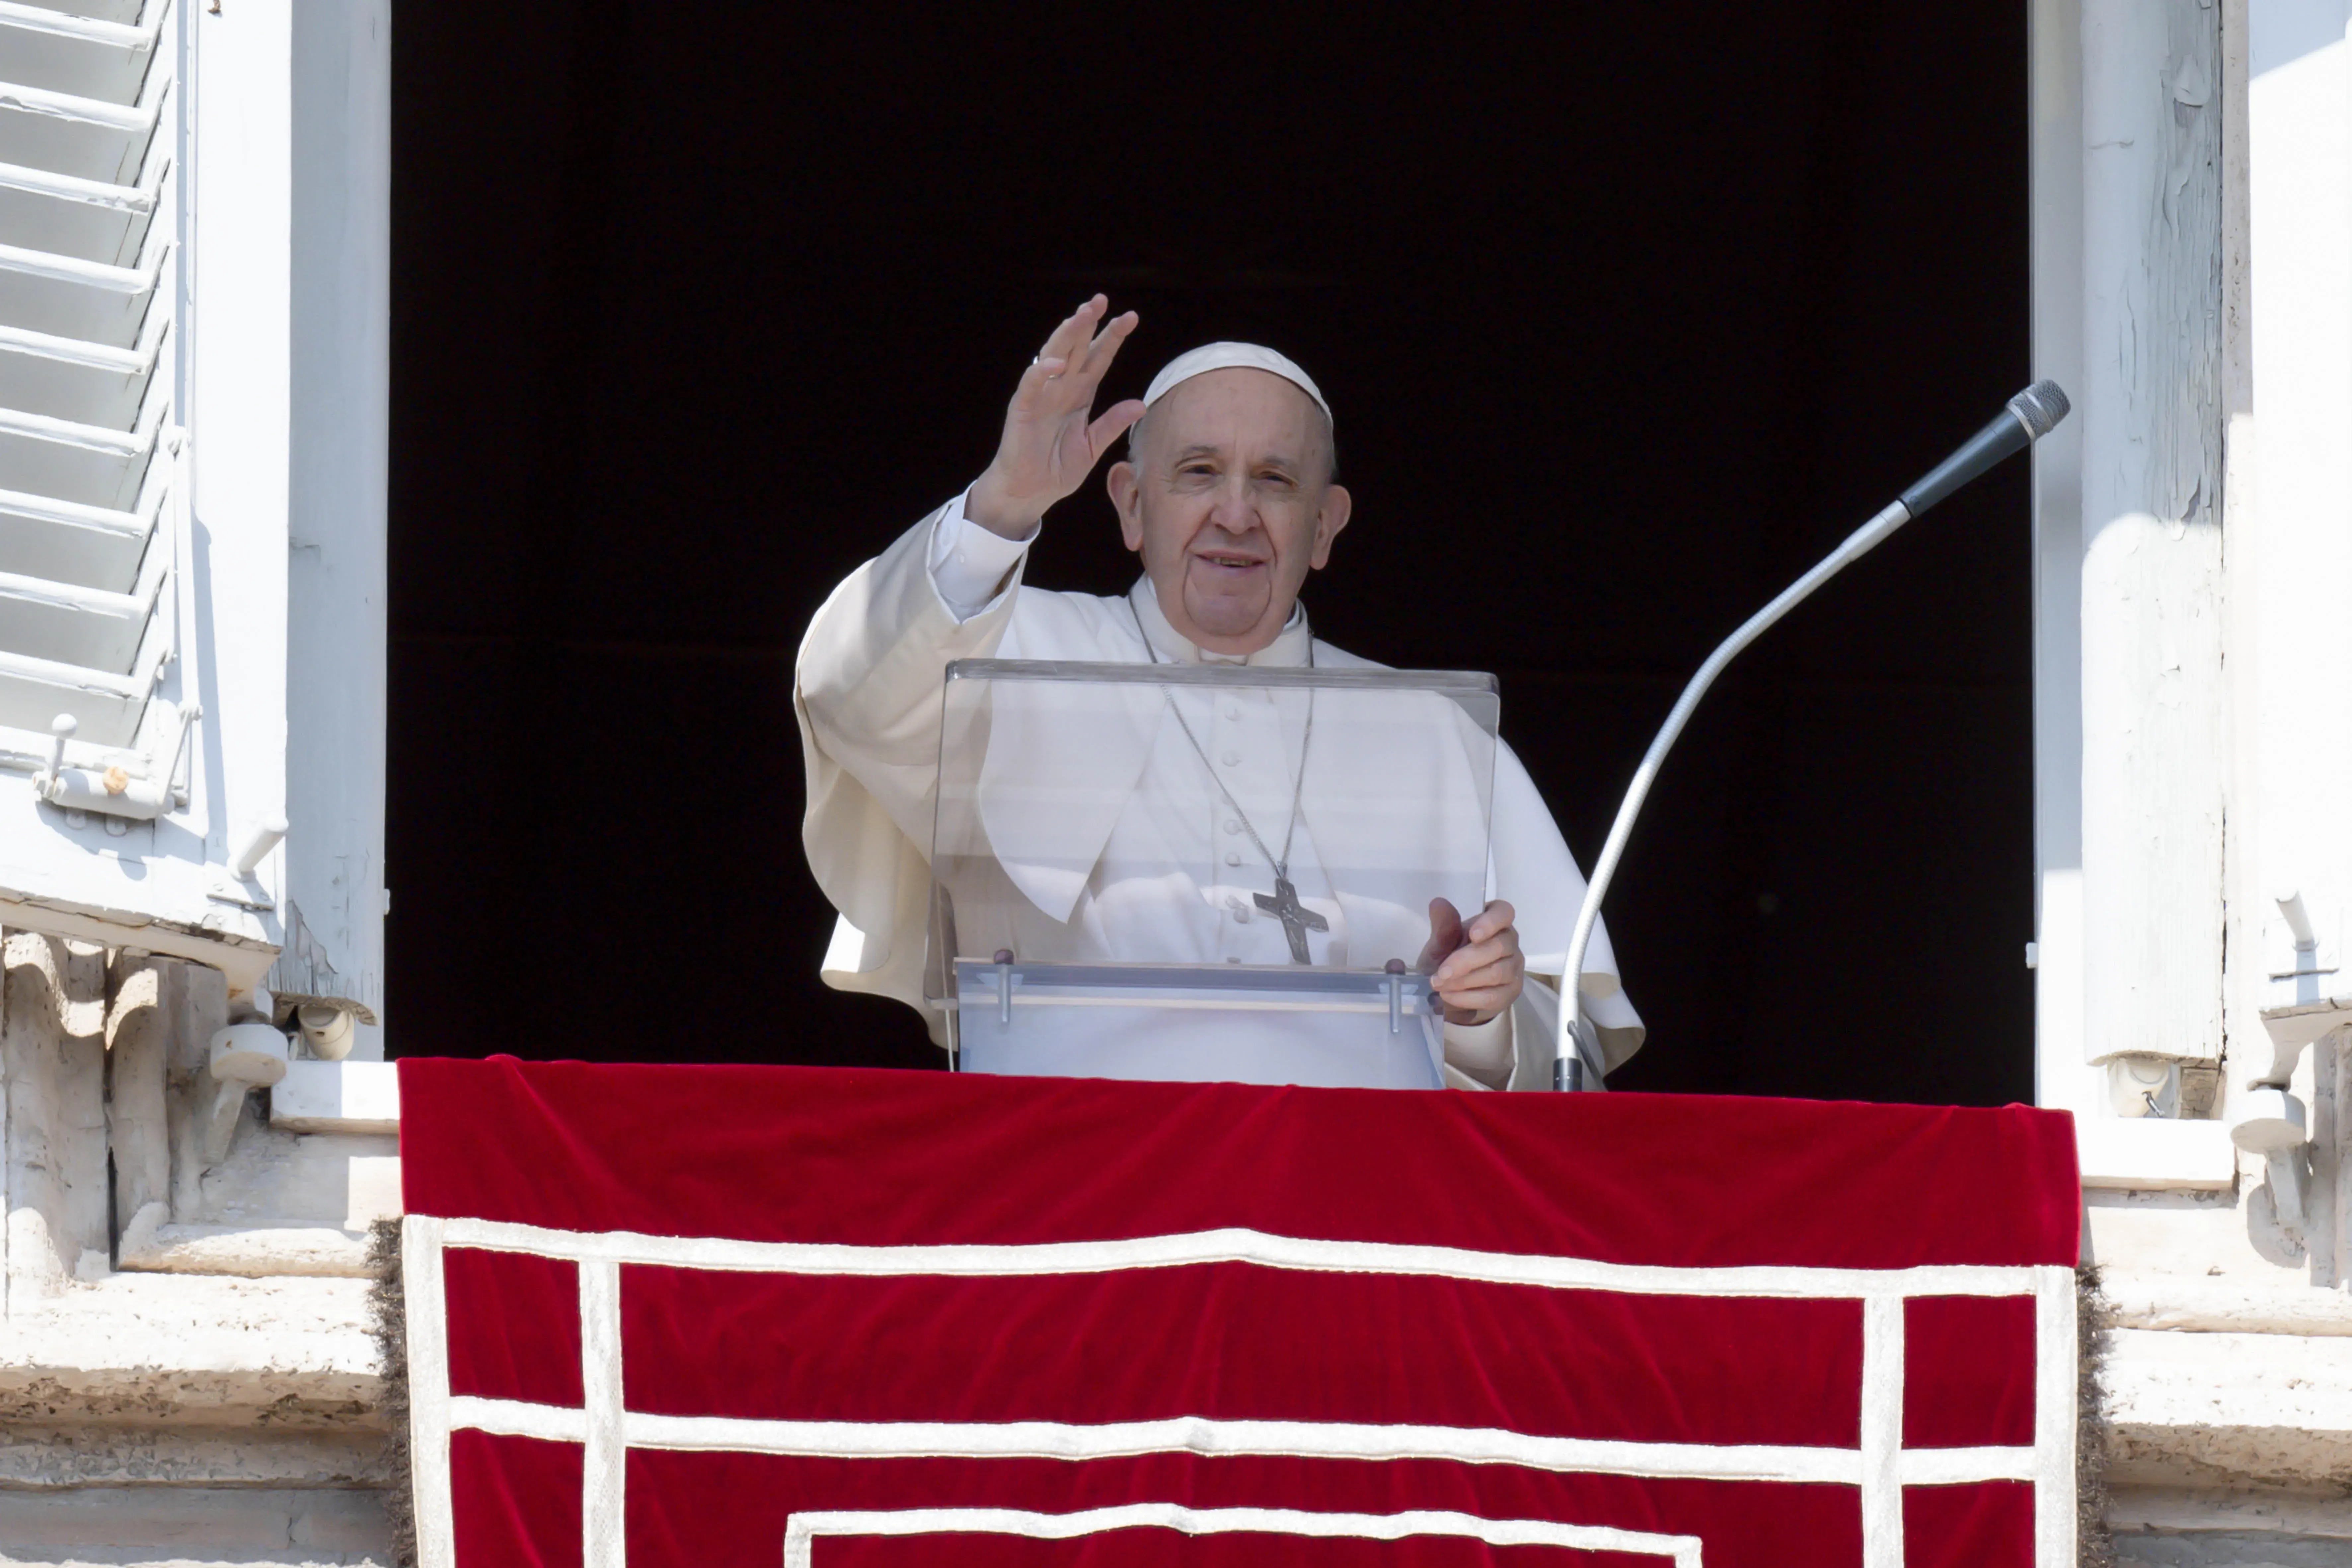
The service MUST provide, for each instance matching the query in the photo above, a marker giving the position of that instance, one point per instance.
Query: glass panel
(1203, 872)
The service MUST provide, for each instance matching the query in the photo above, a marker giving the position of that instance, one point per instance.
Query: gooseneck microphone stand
(2029, 415)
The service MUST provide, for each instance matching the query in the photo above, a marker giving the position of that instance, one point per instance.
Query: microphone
(2029, 415)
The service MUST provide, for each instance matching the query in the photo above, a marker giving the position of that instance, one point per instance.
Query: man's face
(1231, 505)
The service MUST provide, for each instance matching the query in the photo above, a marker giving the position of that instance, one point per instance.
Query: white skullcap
(1231, 356)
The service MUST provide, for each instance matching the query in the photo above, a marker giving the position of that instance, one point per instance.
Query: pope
(1229, 495)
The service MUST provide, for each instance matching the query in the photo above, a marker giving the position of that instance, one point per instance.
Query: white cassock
(1163, 866)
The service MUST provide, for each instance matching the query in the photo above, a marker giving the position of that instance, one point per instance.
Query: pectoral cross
(1296, 919)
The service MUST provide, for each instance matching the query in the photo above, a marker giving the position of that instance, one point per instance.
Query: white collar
(1292, 649)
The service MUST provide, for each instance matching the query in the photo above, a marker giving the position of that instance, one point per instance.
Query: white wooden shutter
(194, 306)
(92, 476)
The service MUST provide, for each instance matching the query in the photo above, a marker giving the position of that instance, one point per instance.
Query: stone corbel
(2274, 1127)
(160, 1014)
(243, 1057)
(2271, 1121)
(53, 1183)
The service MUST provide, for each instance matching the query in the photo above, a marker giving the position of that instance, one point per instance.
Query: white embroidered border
(1250, 1439)
(1880, 1468)
(1235, 1246)
(802, 1534)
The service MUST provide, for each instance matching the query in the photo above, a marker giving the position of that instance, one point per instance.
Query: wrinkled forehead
(1246, 412)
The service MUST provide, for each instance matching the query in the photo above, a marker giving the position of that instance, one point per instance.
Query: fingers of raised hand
(1086, 353)
(1061, 381)
(1038, 380)
(1104, 348)
(1068, 341)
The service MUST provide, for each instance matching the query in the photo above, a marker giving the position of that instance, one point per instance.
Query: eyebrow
(1275, 458)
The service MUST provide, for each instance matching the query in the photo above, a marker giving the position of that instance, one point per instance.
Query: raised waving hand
(1051, 437)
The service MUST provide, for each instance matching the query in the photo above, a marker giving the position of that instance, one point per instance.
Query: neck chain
(1282, 904)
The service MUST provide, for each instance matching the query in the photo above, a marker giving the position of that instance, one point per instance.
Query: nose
(1236, 508)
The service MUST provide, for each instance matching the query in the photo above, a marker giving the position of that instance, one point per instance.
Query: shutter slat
(85, 219)
(85, 463)
(68, 298)
(67, 134)
(79, 625)
(35, 690)
(126, 12)
(89, 383)
(85, 56)
(79, 546)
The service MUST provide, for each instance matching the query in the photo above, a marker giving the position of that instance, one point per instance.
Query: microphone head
(2039, 408)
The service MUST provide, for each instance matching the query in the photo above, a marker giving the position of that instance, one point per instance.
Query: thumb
(1445, 932)
(1113, 423)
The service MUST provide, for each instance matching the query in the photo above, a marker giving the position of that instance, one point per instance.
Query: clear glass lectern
(1203, 872)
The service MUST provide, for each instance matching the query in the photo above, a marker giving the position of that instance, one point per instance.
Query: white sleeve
(967, 562)
(1481, 1051)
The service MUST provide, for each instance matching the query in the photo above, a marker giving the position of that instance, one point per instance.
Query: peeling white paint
(2153, 758)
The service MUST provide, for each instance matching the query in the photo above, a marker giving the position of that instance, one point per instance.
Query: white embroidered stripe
(1881, 1457)
(801, 1535)
(430, 1418)
(2056, 1368)
(1225, 1439)
(1238, 1246)
(605, 1453)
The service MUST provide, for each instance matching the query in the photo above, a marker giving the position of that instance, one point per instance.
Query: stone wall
(2229, 1366)
(187, 1373)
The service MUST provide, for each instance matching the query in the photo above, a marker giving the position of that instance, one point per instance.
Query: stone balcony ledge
(193, 1350)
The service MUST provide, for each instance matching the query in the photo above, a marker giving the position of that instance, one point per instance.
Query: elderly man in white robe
(1229, 496)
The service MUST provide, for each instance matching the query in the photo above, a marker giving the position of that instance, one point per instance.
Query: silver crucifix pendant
(1296, 919)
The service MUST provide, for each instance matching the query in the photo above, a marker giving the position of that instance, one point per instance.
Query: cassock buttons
(1233, 710)
(1233, 759)
(1233, 858)
(1233, 824)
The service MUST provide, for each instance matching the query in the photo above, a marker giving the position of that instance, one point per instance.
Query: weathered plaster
(195, 1528)
(37, 1458)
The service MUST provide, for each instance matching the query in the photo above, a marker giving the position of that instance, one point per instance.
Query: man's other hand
(1051, 441)
(1477, 970)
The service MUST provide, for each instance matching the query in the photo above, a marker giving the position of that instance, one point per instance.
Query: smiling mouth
(1227, 561)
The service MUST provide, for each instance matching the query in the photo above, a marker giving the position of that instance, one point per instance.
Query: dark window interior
(1628, 314)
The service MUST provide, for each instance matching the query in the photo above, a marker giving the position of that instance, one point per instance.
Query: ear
(1336, 503)
(1126, 488)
